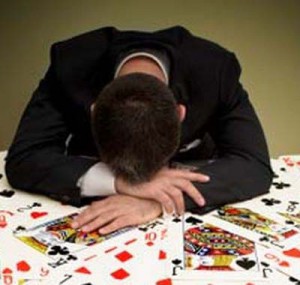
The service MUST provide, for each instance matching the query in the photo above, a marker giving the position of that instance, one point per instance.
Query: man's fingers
(177, 198)
(118, 223)
(187, 187)
(88, 215)
(98, 222)
(189, 175)
(166, 201)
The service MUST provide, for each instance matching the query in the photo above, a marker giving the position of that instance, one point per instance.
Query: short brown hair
(136, 126)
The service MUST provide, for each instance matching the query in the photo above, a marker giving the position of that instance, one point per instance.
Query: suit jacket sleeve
(36, 160)
(242, 168)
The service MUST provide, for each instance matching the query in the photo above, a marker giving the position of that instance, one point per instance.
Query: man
(81, 136)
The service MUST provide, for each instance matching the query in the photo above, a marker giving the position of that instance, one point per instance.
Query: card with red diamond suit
(137, 257)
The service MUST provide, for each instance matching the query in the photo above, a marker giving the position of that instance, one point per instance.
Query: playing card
(128, 259)
(198, 250)
(284, 180)
(57, 238)
(286, 261)
(257, 227)
(292, 163)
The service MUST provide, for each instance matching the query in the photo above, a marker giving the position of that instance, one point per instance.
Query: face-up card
(134, 258)
(206, 249)
(292, 163)
(20, 262)
(58, 239)
(286, 261)
(283, 179)
(259, 228)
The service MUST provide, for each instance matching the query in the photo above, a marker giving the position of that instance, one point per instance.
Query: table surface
(18, 208)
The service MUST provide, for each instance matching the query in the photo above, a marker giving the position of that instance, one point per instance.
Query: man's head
(136, 126)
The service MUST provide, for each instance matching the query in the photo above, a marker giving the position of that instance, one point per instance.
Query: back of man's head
(136, 126)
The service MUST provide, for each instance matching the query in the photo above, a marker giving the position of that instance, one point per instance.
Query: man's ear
(181, 110)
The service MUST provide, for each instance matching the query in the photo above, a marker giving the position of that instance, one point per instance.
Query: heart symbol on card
(284, 264)
(294, 252)
(7, 271)
(36, 215)
(23, 266)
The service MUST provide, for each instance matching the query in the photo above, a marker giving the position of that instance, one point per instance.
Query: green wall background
(264, 34)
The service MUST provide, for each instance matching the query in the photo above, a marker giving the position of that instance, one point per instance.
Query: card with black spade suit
(198, 249)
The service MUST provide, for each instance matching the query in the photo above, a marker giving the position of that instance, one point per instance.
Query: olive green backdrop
(264, 34)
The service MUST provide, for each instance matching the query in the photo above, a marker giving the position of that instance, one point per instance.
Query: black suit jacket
(53, 145)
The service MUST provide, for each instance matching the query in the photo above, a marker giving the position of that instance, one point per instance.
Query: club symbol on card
(270, 202)
(281, 185)
(246, 263)
(193, 221)
(7, 193)
(57, 249)
(1, 175)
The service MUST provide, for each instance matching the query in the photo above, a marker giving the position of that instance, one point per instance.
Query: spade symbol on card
(177, 261)
(1, 175)
(294, 280)
(246, 263)
(264, 238)
(7, 193)
(177, 265)
(193, 221)
(176, 220)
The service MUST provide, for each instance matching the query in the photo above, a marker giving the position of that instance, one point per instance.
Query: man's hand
(116, 212)
(166, 187)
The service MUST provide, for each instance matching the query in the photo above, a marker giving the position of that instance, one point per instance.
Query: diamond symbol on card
(120, 274)
(162, 254)
(123, 256)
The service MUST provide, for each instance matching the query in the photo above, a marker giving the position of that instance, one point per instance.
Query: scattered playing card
(206, 248)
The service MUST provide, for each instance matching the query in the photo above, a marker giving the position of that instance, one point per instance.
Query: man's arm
(36, 160)
(242, 169)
